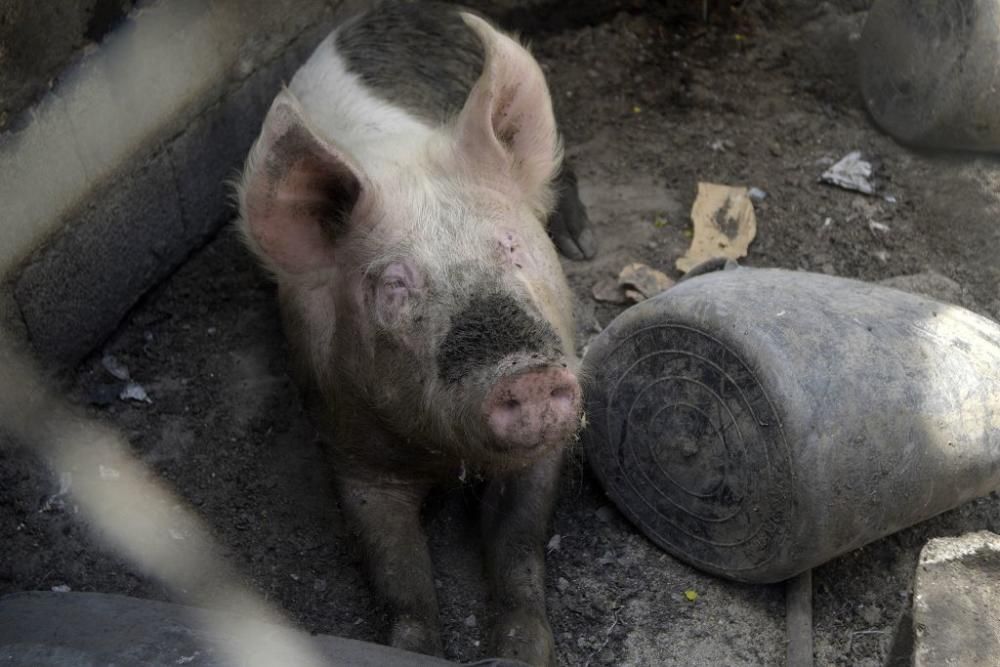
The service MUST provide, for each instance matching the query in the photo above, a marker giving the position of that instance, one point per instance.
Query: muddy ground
(650, 104)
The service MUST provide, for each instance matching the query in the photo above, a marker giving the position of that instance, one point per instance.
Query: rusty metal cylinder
(758, 422)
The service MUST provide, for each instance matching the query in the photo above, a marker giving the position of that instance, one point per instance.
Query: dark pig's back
(418, 56)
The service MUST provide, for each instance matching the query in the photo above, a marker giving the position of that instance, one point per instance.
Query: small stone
(470, 621)
(562, 584)
(319, 585)
(605, 513)
(872, 615)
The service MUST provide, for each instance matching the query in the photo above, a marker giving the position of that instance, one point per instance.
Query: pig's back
(390, 76)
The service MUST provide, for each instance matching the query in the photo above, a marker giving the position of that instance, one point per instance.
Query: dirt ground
(649, 105)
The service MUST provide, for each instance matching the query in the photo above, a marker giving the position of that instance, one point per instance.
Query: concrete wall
(120, 170)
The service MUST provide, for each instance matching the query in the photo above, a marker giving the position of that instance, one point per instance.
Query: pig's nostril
(529, 410)
(563, 394)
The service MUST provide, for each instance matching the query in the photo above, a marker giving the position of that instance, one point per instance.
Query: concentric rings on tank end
(687, 443)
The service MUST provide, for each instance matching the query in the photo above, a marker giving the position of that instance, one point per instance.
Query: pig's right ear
(297, 193)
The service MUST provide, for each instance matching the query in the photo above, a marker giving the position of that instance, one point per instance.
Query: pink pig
(400, 193)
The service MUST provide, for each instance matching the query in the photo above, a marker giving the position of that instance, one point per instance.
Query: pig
(402, 192)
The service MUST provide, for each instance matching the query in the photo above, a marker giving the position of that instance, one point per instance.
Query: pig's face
(455, 326)
(429, 290)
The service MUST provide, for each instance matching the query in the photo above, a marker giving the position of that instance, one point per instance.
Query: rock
(928, 283)
(956, 601)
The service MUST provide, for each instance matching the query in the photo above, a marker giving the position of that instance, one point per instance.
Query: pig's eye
(392, 291)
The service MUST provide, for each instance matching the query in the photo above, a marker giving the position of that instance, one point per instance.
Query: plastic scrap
(133, 391)
(850, 173)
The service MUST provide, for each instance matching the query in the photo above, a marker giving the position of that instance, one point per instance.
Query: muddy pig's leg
(516, 513)
(386, 519)
(569, 225)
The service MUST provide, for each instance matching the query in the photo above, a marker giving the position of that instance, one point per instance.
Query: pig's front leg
(386, 518)
(569, 225)
(516, 513)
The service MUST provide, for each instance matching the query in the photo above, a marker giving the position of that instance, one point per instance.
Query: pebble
(605, 513)
(470, 621)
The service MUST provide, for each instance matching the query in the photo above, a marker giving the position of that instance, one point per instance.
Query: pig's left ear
(298, 193)
(507, 122)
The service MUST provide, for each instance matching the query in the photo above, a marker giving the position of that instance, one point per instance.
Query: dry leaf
(643, 281)
(609, 291)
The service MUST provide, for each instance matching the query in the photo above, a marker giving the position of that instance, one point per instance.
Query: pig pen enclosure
(652, 98)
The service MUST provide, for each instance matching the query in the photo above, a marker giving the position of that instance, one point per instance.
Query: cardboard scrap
(724, 225)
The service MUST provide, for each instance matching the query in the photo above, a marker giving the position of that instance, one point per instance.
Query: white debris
(61, 588)
(56, 502)
(554, 543)
(133, 391)
(878, 226)
(175, 534)
(115, 367)
(65, 482)
(107, 472)
(851, 173)
(757, 194)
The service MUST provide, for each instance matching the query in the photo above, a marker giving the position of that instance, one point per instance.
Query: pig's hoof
(411, 634)
(572, 235)
(525, 636)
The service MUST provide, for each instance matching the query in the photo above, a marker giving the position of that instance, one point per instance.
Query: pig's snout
(535, 409)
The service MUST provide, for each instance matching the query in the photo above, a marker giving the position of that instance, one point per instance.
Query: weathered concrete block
(131, 229)
(208, 154)
(113, 250)
(956, 602)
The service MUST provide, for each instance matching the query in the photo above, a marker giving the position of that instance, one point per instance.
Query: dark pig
(399, 192)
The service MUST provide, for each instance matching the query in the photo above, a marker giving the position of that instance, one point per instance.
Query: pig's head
(423, 286)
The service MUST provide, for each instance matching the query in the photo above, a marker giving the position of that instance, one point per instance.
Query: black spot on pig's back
(419, 56)
(490, 327)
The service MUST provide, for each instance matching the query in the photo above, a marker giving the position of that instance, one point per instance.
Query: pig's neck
(374, 132)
